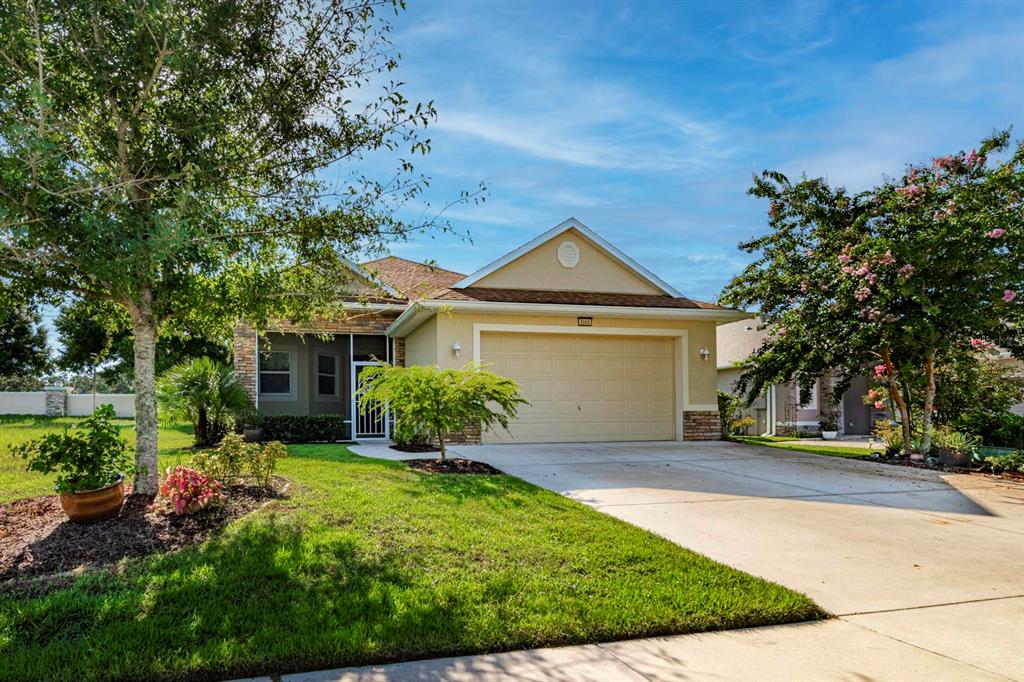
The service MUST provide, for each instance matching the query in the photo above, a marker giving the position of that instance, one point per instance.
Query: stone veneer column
(399, 359)
(244, 356)
(56, 400)
(702, 425)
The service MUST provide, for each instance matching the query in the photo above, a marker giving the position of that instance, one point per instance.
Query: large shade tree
(168, 156)
(904, 277)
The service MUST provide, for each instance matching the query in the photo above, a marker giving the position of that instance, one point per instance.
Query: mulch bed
(415, 448)
(452, 466)
(36, 537)
(925, 464)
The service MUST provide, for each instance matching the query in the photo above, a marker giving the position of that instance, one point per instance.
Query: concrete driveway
(932, 563)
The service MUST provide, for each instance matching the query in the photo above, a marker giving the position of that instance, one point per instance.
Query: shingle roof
(414, 280)
(421, 281)
(573, 298)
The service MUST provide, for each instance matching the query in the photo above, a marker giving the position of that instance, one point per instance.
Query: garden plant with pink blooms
(189, 490)
(909, 277)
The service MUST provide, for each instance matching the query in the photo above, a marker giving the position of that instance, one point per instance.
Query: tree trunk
(144, 330)
(901, 404)
(929, 402)
(440, 443)
(202, 428)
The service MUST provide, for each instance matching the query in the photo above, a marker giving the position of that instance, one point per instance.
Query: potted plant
(954, 447)
(828, 420)
(91, 461)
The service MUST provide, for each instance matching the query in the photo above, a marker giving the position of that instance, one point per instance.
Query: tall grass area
(16, 482)
(368, 561)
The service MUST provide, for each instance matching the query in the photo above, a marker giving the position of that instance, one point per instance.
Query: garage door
(585, 387)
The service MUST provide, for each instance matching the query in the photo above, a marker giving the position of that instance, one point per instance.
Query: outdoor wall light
(705, 354)
(457, 348)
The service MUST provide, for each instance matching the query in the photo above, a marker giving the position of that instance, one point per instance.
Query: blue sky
(646, 120)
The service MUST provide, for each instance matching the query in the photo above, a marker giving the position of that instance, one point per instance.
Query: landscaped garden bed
(36, 537)
(368, 561)
(457, 465)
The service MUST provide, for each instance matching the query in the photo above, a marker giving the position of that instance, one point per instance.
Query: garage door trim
(681, 346)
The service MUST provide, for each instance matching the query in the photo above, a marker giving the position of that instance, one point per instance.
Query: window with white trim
(326, 375)
(276, 372)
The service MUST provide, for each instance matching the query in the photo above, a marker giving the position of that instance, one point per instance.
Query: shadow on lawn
(262, 598)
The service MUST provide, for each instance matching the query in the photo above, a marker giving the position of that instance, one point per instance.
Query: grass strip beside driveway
(368, 561)
(827, 450)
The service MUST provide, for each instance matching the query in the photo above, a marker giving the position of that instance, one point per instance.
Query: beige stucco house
(603, 348)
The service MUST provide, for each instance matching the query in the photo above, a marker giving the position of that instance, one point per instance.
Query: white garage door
(584, 387)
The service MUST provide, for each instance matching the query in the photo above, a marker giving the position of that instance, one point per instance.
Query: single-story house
(603, 348)
(780, 410)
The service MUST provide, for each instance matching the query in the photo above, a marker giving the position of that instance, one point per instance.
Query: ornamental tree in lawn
(168, 157)
(441, 401)
(901, 277)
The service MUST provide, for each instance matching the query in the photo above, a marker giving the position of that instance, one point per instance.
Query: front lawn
(368, 561)
(827, 450)
(16, 482)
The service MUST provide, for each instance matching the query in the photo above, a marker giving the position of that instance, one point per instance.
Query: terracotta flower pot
(90, 506)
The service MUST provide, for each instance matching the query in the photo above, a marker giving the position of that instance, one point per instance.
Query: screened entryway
(309, 375)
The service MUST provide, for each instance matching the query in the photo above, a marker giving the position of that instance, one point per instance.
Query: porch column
(245, 358)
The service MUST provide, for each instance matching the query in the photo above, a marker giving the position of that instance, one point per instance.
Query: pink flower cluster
(188, 489)
(1009, 295)
(862, 293)
(996, 233)
(979, 344)
(975, 159)
(880, 371)
(906, 270)
(910, 192)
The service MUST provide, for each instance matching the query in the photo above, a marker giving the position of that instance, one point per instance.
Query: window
(276, 372)
(326, 375)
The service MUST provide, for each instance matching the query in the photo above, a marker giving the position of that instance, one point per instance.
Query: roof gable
(600, 267)
(412, 280)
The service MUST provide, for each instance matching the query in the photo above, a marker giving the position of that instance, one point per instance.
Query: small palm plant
(204, 392)
(442, 401)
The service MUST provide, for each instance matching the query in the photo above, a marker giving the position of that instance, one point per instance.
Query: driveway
(931, 564)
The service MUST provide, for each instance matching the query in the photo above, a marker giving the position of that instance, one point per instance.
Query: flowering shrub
(189, 490)
(235, 457)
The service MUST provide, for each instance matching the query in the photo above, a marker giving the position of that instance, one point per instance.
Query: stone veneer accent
(702, 425)
(244, 355)
(468, 436)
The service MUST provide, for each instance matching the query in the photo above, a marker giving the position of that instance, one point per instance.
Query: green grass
(368, 561)
(16, 482)
(827, 450)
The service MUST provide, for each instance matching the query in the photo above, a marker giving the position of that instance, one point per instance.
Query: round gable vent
(568, 254)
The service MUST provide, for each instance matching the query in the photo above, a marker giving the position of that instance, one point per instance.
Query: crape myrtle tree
(902, 277)
(168, 157)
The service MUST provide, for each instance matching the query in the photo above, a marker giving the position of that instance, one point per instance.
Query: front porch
(302, 373)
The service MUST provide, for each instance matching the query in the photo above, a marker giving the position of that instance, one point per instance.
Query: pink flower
(880, 370)
(1009, 295)
(862, 293)
(879, 405)
(906, 270)
(979, 344)
(996, 233)
(974, 158)
(887, 259)
(871, 278)
(911, 192)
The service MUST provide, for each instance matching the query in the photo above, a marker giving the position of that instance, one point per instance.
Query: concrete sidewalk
(923, 569)
(829, 650)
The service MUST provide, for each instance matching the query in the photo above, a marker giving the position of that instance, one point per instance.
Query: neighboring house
(1006, 360)
(779, 409)
(603, 348)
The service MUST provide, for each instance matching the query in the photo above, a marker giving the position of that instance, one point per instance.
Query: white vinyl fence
(56, 401)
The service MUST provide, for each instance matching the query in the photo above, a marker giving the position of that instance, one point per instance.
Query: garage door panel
(586, 387)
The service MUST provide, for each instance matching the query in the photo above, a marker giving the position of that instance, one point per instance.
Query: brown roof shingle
(412, 279)
(573, 298)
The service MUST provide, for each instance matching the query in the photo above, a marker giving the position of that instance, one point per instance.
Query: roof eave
(421, 311)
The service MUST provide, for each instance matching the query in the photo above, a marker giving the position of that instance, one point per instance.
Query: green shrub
(410, 435)
(730, 411)
(443, 400)
(235, 457)
(319, 428)
(92, 455)
(224, 463)
(1012, 462)
(891, 434)
(999, 429)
